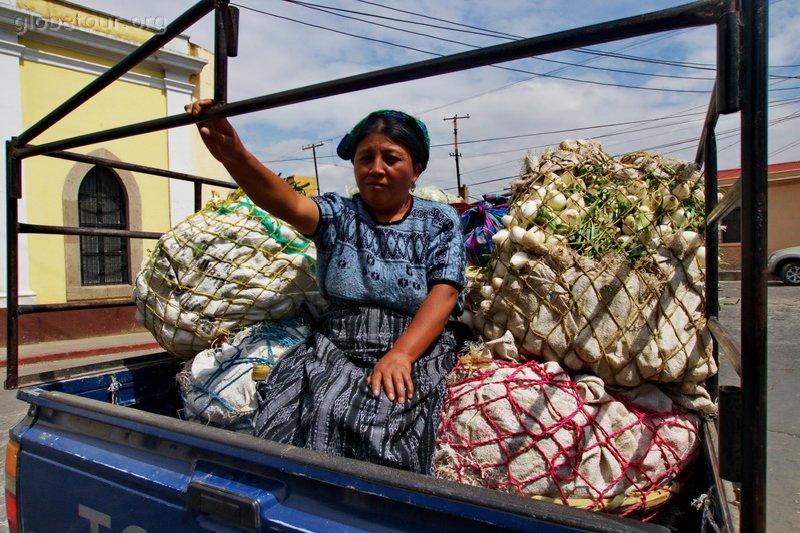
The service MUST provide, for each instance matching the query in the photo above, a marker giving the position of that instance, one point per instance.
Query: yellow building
(306, 184)
(783, 192)
(50, 50)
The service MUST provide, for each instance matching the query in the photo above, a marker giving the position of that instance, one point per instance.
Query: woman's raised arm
(262, 185)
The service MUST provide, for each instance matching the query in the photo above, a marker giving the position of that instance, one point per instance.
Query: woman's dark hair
(400, 127)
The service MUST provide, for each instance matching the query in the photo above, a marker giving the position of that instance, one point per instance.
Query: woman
(369, 382)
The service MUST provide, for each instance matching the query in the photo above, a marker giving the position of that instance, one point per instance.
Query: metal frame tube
(730, 431)
(728, 99)
(111, 163)
(38, 229)
(221, 22)
(221, 38)
(754, 264)
(712, 248)
(709, 125)
(689, 15)
(723, 339)
(92, 304)
(729, 202)
(14, 193)
(152, 45)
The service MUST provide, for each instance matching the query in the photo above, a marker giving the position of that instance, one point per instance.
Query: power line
(678, 143)
(620, 56)
(394, 19)
(569, 130)
(509, 36)
(312, 25)
(772, 104)
(427, 52)
(499, 35)
(535, 74)
(724, 134)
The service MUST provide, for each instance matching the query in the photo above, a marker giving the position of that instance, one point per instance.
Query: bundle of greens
(600, 266)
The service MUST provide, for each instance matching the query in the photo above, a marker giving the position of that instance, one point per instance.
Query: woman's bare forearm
(429, 322)
(262, 185)
(272, 193)
(393, 370)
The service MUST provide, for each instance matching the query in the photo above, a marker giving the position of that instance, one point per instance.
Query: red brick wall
(64, 325)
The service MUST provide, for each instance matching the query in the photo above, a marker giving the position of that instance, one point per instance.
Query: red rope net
(530, 429)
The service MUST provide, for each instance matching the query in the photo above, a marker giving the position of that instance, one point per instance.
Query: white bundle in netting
(227, 266)
(529, 429)
(435, 194)
(601, 267)
(217, 386)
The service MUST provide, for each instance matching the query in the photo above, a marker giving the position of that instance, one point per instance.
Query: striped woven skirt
(317, 396)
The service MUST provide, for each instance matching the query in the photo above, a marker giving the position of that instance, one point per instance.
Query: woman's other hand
(393, 370)
(393, 373)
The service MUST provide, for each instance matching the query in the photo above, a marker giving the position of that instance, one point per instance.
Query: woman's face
(384, 173)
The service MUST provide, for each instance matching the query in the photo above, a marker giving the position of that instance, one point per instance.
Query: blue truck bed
(87, 464)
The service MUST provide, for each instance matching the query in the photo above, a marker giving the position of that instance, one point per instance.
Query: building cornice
(56, 60)
(33, 26)
(10, 48)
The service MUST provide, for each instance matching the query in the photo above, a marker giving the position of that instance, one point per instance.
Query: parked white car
(785, 263)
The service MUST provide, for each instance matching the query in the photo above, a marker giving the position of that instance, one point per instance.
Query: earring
(413, 187)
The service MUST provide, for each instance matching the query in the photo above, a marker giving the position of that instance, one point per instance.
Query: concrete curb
(44, 352)
(46, 358)
(730, 275)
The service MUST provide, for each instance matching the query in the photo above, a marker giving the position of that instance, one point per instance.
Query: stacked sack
(218, 385)
(225, 267)
(600, 267)
(480, 222)
(589, 383)
(531, 429)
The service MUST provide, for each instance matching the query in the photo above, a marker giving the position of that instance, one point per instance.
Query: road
(11, 411)
(783, 397)
(783, 441)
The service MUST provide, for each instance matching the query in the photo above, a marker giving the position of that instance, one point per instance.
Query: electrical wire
(427, 52)
(721, 135)
(490, 33)
(509, 36)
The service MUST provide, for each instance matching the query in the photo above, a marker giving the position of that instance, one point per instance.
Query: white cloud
(276, 54)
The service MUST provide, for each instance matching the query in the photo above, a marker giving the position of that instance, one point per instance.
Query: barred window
(102, 203)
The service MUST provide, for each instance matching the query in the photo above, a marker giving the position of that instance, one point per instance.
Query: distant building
(308, 185)
(783, 197)
(50, 50)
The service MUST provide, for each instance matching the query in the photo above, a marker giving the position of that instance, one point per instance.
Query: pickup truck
(107, 451)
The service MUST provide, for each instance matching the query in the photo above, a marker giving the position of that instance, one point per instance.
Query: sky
(647, 93)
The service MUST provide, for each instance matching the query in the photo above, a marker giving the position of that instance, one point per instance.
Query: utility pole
(456, 154)
(314, 153)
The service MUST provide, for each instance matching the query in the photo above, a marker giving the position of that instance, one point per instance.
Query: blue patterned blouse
(390, 265)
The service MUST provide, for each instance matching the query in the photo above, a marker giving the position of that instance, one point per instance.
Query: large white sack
(225, 267)
(529, 429)
(601, 268)
(217, 386)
